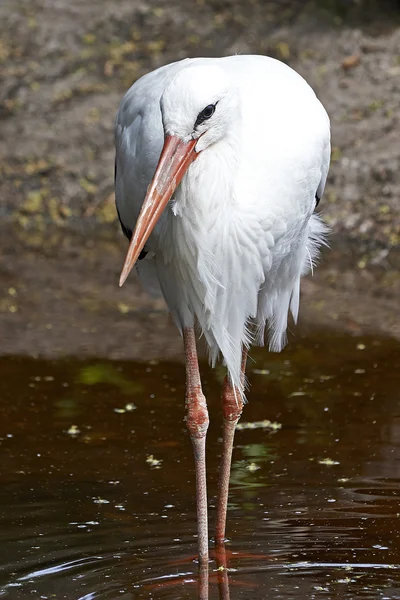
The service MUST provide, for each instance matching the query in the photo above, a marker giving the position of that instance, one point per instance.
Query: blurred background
(64, 68)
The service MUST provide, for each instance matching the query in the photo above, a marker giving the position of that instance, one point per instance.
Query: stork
(220, 164)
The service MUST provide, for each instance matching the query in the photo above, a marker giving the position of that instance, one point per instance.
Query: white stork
(220, 164)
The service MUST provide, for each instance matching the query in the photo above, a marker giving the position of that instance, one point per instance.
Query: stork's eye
(208, 111)
(205, 114)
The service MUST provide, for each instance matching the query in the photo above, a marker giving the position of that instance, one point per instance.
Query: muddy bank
(65, 65)
(64, 68)
(59, 296)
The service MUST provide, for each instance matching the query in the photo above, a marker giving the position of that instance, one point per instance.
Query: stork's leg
(232, 406)
(222, 573)
(197, 423)
(203, 582)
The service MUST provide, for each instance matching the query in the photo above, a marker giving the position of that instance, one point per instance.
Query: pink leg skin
(197, 424)
(232, 407)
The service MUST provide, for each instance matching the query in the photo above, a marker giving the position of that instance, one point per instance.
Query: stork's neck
(208, 187)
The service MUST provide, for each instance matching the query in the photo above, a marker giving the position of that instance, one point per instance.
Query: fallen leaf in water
(266, 424)
(328, 461)
(261, 371)
(73, 430)
(252, 467)
(154, 462)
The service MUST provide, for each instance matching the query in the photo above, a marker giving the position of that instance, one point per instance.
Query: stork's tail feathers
(281, 292)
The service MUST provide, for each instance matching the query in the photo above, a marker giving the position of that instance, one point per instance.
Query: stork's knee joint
(232, 403)
(197, 415)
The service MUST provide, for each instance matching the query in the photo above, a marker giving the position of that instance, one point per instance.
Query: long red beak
(175, 159)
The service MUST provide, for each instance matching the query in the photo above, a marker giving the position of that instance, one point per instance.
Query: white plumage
(231, 245)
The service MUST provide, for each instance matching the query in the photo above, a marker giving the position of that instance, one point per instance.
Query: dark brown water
(97, 491)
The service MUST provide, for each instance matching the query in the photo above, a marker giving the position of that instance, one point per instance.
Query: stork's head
(198, 107)
(199, 103)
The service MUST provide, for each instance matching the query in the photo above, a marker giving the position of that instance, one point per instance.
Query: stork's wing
(139, 139)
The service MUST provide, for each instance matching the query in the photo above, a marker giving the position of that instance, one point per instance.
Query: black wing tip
(126, 231)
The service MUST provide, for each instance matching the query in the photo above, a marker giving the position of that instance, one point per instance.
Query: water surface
(97, 490)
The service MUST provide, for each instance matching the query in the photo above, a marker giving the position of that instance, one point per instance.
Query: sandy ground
(64, 67)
